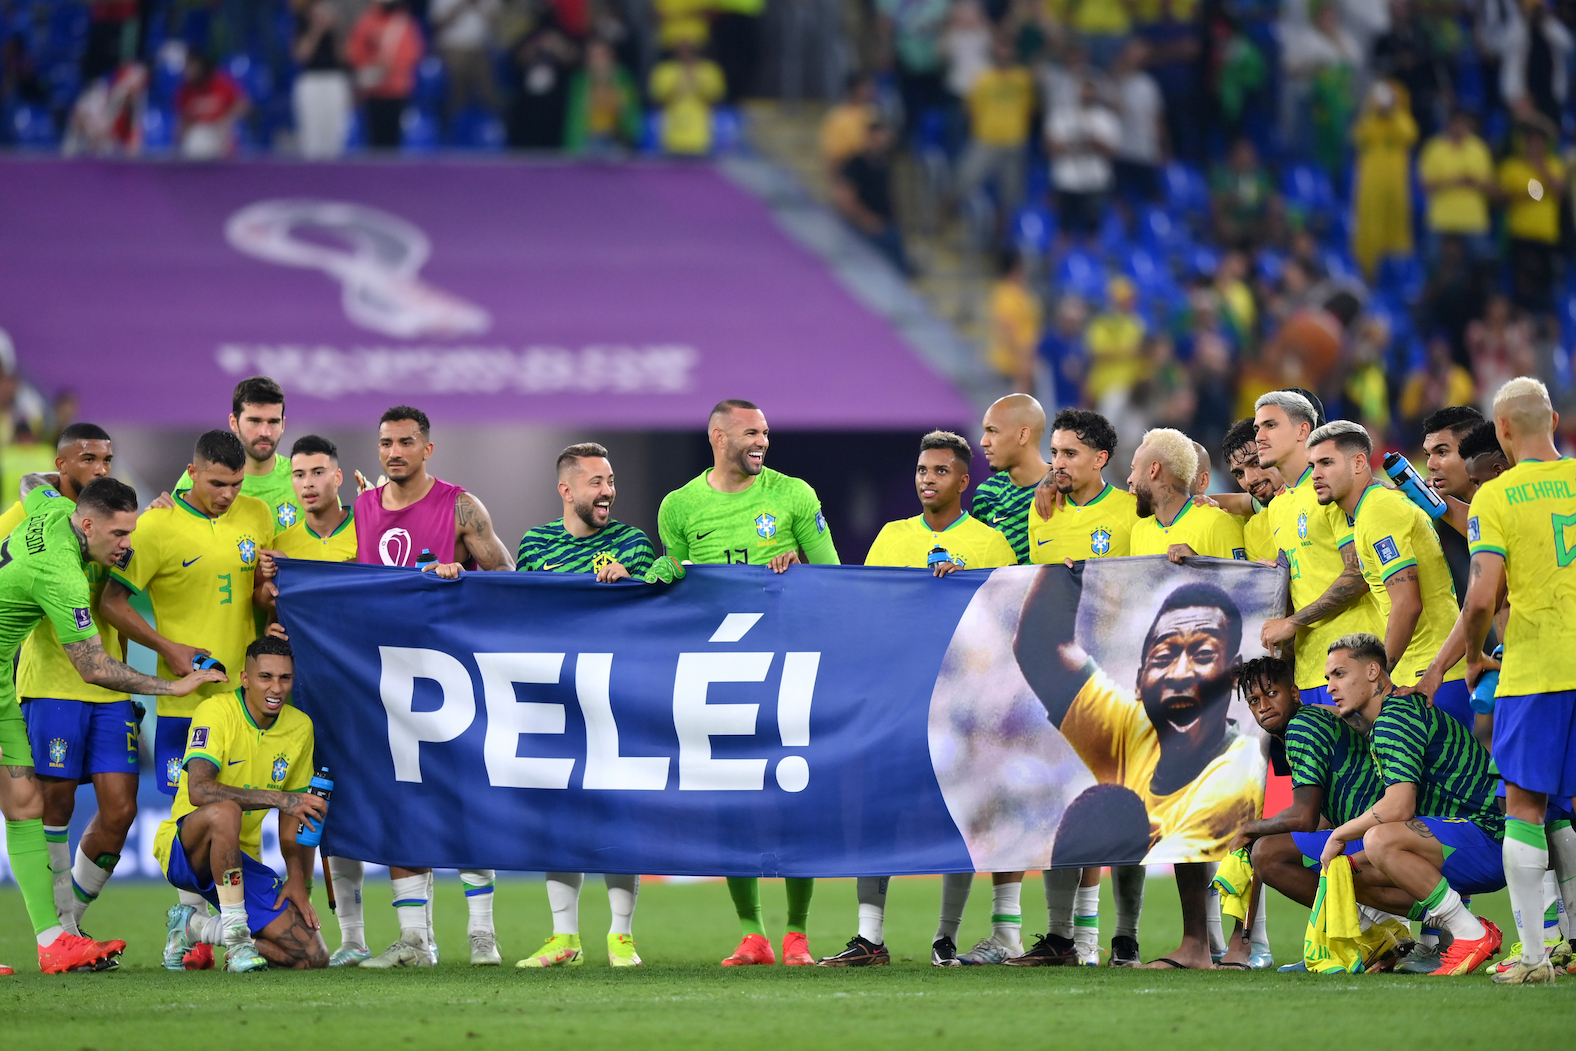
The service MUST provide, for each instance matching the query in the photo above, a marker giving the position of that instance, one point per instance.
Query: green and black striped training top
(1005, 507)
(553, 548)
(1412, 741)
(1324, 751)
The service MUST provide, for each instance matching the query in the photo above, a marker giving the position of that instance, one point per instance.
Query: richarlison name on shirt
(1548, 489)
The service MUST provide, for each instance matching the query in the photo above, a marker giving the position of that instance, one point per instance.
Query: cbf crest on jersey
(1100, 541)
(172, 771)
(1302, 526)
(57, 751)
(248, 549)
(286, 515)
(602, 560)
(280, 768)
(766, 525)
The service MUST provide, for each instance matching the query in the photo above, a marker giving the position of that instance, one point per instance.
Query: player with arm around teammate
(741, 512)
(943, 538)
(248, 753)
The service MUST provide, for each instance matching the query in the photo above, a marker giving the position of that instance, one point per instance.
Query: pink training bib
(396, 538)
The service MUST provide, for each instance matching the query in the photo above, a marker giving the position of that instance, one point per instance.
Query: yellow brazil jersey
(1528, 516)
(1258, 536)
(1109, 730)
(1392, 533)
(1305, 531)
(1102, 528)
(300, 542)
(223, 732)
(1207, 530)
(969, 542)
(197, 572)
(11, 519)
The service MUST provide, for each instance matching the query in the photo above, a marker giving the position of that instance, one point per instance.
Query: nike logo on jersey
(703, 536)
(555, 565)
(185, 564)
(1042, 543)
(232, 762)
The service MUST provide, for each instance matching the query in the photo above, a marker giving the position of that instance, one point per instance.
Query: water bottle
(937, 554)
(425, 559)
(322, 786)
(1406, 479)
(202, 661)
(1482, 699)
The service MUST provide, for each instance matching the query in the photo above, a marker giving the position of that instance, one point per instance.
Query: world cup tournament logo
(394, 547)
(375, 257)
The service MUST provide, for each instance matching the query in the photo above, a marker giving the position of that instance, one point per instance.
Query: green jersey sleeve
(637, 554)
(811, 531)
(671, 526)
(1399, 740)
(1310, 749)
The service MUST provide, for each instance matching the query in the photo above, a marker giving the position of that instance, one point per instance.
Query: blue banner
(829, 721)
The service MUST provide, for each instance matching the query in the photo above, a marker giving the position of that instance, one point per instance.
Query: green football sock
(746, 894)
(799, 891)
(24, 841)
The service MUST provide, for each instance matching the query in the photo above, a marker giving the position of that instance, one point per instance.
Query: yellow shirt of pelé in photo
(1209, 531)
(1109, 729)
(197, 572)
(1305, 531)
(1101, 528)
(1527, 516)
(223, 732)
(300, 542)
(969, 543)
(12, 518)
(1391, 533)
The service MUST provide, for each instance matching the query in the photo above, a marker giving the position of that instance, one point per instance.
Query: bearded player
(257, 418)
(741, 512)
(395, 522)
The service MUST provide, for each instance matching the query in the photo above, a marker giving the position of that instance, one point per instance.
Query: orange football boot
(72, 952)
(1464, 957)
(753, 950)
(796, 950)
(198, 958)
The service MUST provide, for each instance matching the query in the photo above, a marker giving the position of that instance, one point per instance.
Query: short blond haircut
(1524, 401)
(1175, 452)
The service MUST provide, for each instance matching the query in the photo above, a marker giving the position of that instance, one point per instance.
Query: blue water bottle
(322, 786)
(1482, 699)
(937, 554)
(425, 559)
(1406, 479)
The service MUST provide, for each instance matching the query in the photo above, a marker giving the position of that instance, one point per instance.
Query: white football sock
(410, 905)
(1128, 883)
(954, 896)
(1259, 939)
(432, 892)
(348, 875)
(1086, 918)
(1006, 913)
(1217, 934)
(206, 929)
(47, 937)
(1562, 856)
(232, 918)
(872, 894)
(1061, 893)
(57, 839)
(1526, 854)
(88, 881)
(623, 891)
(478, 885)
(563, 897)
(1449, 913)
(196, 901)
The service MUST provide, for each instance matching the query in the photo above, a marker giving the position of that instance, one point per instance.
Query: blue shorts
(260, 883)
(73, 740)
(169, 748)
(1474, 860)
(1316, 695)
(1455, 700)
(1312, 843)
(1535, 742)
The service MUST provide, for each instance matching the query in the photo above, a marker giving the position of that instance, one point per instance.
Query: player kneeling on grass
(1435, 833)
(246, 753)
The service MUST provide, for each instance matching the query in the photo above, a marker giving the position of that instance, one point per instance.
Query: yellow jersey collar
(1103, 494)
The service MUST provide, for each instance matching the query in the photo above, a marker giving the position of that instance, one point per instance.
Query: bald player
(1011, 434)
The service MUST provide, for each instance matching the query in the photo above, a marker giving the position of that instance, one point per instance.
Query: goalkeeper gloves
(664, 570)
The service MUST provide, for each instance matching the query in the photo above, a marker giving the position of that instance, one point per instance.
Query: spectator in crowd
(736, 41)
(1536, 74)
(1175, 42)
(1320, 61)
(604, 106)
(1382, 189)
(1063, 355)
(686, 86)
(1238, 312)
(1103, 25)
(1499, 346)
(1366, 389)
(1406, 53)
(463, 32)
(106, 120)
(1082, 138)
(208, 106)
(544, 63)
(105, 47)
(322, 96)
(1140, 110)
(384, 48)
(1454, 295)
(1001, 107)
(1435, 384)
(1457, 172)
(1164, 396)
(1532, 182)
(1114, 344)
(910, 35)
(845, 125)
(863, 195)
(683, 22)
(1014, 324)
(1245, 208)
(966, 47)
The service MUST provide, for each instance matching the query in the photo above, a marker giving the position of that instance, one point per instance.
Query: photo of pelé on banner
(1087, 715)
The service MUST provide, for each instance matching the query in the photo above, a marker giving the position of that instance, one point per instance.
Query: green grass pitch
(682, 999)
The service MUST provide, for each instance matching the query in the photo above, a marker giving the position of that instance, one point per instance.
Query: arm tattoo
(1406, 576)
(203, 788)
(1343, 590)
(476, 530)
(99, 668)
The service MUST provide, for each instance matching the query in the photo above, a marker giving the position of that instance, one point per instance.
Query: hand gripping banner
(829, 721)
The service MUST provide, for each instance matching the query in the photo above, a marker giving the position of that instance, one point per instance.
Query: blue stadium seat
(1112, 235)
(1159, 231)
(431, 83)
(1185, 188)
(1307, 187)
(1401, 277)
(1269, 264)
(1081, 273)
(420, 131)
(727, 129)
(1032, 230)
(158, 130)
(1203, 261)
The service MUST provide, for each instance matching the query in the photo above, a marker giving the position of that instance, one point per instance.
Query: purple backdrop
(633, 296)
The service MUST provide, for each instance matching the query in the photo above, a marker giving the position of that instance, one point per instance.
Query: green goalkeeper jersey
(775, 515)
(41, 576)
